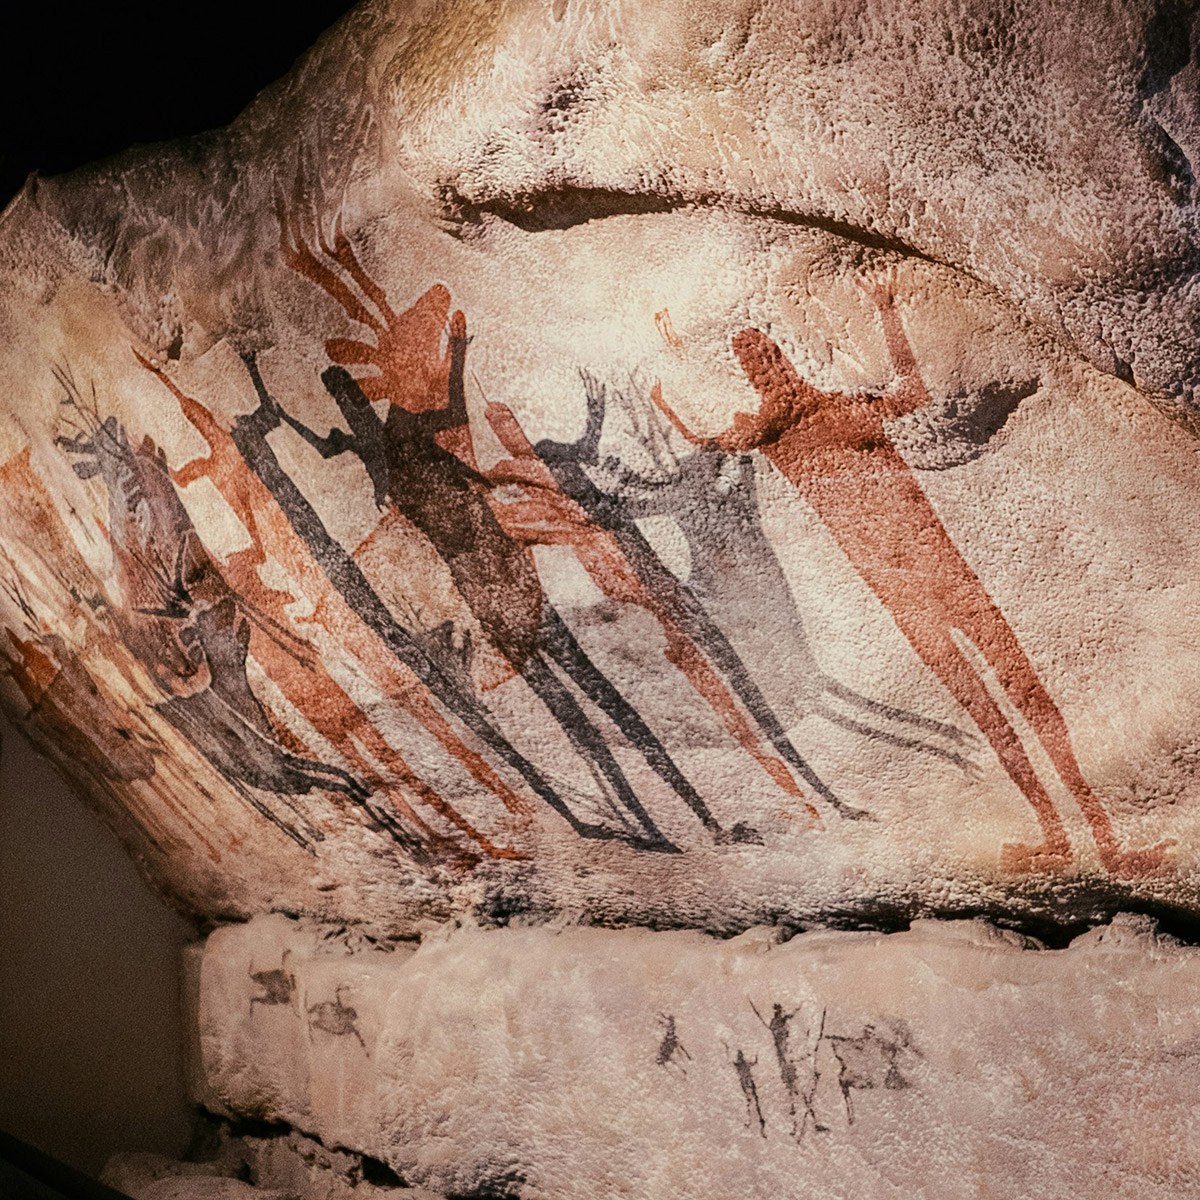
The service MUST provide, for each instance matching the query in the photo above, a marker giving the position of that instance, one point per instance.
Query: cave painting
(833, 448)
(421, 465)
(421, 462)
(188, 628)
(324, 702)
(712, 498)
(443, 602)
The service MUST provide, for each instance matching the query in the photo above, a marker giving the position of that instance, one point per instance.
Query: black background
(80, 81)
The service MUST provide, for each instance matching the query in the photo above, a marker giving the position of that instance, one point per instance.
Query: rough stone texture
(692, 464)
(628, 459)
(955, 1059)
(268, 1165)
(153, 1177)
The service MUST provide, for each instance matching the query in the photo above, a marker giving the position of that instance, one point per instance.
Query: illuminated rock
(953, 1059)
(634, 460)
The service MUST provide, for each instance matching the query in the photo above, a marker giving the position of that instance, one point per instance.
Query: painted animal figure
(190, 630)
(733, 571)
(835, 450)
(336, 1018)
(297, 670)
(625, 566)
(421, 462)
(548, 515)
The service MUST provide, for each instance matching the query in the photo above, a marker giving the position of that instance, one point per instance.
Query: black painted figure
(713, 498)
(569, 463)
(189, 630)
(421, 465)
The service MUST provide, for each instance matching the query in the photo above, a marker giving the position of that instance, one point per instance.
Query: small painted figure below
(836, 452)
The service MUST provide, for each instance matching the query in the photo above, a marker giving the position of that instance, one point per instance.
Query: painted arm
(523, 467)
(677, 421)
(786, 397)
(336, 442)
(454, 414)
(588, 446)
(201, 419)
(409, 371)
(586, 449)
(910, 392)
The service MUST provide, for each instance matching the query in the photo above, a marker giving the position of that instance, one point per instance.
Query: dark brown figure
(836, 452)
(301, 677)
(341, 1020)
(421, 463)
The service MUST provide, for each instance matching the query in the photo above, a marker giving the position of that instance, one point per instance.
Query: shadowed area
(90, 1060)
(85, 85)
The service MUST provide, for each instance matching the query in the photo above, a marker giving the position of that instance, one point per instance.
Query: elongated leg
(955, 670)
(303, 839)
(249, 434)
(903, 716)
(1019, 680)
(705, 634)
(558, 641)
(821, 709)
(334, 715)
(618, 579)
(589, 743)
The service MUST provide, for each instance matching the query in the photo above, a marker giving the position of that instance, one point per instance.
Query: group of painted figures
(444, 600)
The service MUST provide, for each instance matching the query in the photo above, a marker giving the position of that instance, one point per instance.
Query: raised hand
(879, 286)
(409, 367)
(910, 392)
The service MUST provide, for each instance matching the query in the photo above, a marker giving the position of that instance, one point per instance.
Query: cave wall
(554, 471)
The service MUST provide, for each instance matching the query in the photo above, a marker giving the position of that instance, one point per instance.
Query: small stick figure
(332, 1016)
(671, 1049)
(278, 985)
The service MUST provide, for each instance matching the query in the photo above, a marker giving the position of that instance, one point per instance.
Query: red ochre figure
(304, 681)
(835, 451)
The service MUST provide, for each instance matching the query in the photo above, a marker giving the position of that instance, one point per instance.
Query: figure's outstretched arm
(676, 420)
(403, 349)
(341, 386)
(336, 442)
(203, 421)
(268, 414)
(454, 415)
(786, 397)
(910, 392)
(586, 448)
(523, 467)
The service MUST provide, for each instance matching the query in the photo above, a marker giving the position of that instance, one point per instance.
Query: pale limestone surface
(260, 1166)
(955, 1059)
(355, 671)
(704, 465)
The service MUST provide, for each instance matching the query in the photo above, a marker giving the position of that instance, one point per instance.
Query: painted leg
(957, 673)
(558, 641)
(589, 743)
(1029, 695)
(826, 711)
(889, 712)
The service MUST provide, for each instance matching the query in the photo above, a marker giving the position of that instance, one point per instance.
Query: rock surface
(628, 459)
(955, 1059)
(268, 1164)
(701, 465)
